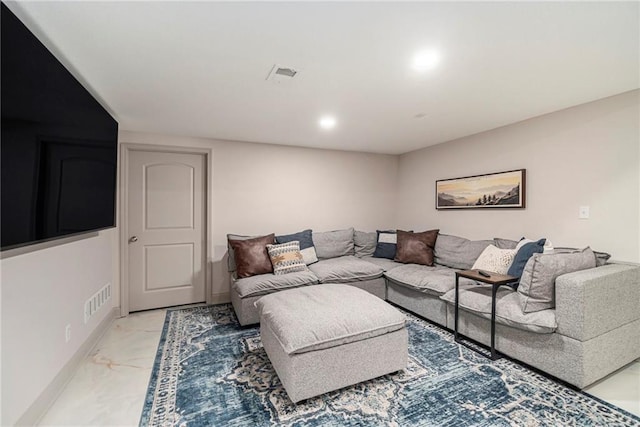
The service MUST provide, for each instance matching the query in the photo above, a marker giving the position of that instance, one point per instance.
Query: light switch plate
(583, 212)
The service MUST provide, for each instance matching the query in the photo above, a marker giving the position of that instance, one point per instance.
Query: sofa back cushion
(416, 248)
(537, 288)
(251, 256)
(365, 243)
(601, 257)
(501, 243)
(458, 252)
(332, 244)
(305, 239)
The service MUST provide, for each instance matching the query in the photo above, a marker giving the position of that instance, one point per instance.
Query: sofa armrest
(594, 301)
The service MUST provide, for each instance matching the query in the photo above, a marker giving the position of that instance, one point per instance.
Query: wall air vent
(281, 74)
(97, 300)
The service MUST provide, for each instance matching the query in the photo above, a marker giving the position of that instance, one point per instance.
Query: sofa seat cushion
(319, 317)
(384, 263)
(268, 283)
(477, 299)
(435, 280)
(345, 269)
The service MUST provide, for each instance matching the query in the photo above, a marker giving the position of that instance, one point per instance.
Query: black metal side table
(495, 280)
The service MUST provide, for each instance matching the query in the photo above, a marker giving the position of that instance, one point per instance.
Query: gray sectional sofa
(593, 329)
(338, 263)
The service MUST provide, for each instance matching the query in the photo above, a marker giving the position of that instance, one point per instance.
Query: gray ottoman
(325, 337)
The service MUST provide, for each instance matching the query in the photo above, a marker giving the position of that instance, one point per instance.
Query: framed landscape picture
(489, 191)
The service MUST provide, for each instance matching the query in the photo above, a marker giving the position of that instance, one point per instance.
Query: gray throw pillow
(601, 257)
(365, 243)
(458, 252)
(332, 244)
(537, 288)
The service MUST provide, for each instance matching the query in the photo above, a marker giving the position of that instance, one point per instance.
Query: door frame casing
(125, 152)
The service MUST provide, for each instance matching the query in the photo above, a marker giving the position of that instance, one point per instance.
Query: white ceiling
(199, 68)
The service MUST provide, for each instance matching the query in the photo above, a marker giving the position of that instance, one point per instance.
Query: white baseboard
(220, 298)
(42, 404)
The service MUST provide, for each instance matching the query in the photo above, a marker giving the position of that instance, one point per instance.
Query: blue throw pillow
(523, 255)
(387, 245)
(307, 249)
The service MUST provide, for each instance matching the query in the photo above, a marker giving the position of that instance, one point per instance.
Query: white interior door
(166, 225)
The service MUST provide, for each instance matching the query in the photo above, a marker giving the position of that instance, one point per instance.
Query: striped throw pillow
(286, 258)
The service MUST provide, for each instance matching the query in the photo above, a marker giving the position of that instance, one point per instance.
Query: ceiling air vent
(279, 74)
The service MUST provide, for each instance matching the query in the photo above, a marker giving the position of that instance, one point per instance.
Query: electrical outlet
(67, 333)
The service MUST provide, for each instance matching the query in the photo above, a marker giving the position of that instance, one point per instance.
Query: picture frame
(499, 190)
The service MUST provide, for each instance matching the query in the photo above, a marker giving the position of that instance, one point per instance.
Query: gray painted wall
(42, 292)
(261, 188)
(586, 155)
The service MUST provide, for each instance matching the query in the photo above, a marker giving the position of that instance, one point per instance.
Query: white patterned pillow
(495, 260)
(286, 258)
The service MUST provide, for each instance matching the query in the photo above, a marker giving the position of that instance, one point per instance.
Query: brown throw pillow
(416, 248)
(251, 255)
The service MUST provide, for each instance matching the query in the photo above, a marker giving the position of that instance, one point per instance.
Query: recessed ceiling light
(327, 122)
(425, 60)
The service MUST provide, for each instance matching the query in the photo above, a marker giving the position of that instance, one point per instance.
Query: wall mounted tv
(58, 149)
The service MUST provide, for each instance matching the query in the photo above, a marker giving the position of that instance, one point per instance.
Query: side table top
(493, 279)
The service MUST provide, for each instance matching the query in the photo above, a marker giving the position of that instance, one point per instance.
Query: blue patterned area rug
(209, 371)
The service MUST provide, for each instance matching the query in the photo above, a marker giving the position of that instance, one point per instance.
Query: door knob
(133, 239)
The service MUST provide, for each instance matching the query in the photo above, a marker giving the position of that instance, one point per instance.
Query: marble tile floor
(110, 386)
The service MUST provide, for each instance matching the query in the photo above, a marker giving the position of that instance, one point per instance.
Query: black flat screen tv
(58, 151)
